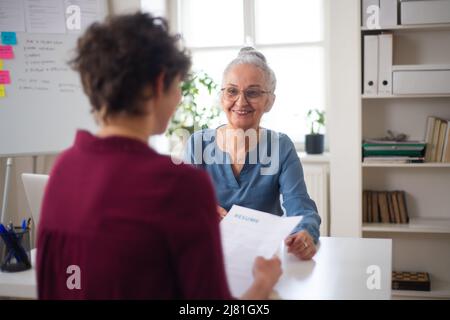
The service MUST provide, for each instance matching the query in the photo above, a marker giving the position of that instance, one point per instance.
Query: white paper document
(11, 16)
(44, 16)
(246, 234)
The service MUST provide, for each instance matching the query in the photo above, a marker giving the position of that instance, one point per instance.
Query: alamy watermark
(373, 18)
(373, 281)
(73, 281)
(73, 18)
(262, 146)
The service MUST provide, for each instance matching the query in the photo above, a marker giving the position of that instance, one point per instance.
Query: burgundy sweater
(135, 224)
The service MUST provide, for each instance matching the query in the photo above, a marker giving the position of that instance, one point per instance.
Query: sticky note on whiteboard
(9, 38)
(2, 91)
(1, 64)
(4, 77)
(6, 52)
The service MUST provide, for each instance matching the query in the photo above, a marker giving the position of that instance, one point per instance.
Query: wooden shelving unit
(415, 225)
(439, 290)
(406, 165)
(406, 96)
(412, 27)
(424, 243)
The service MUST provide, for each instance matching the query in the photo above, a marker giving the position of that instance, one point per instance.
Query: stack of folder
(382, 151)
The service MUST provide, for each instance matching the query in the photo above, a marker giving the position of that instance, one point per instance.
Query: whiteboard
(44, 103)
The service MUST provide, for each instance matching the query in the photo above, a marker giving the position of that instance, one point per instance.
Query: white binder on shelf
(371, 65)
(388, 13)
(385, 48)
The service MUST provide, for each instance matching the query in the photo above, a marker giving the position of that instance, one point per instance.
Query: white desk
(338, 271)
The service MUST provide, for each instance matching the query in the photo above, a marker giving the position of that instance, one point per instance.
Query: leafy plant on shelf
(190, 115)
(314, 142)
(316, 119)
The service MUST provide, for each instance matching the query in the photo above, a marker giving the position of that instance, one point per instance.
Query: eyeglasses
(231, 94)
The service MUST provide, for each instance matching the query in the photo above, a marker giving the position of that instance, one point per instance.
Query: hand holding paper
(247, 234)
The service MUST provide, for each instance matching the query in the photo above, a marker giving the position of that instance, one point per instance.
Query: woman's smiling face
(244, 110)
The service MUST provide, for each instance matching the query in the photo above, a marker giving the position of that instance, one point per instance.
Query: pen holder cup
(15, 251)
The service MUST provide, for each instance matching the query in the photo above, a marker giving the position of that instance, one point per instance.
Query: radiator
(316, 179)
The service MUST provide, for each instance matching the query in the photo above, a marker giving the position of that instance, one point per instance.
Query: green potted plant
(192, 115)
(314, 142)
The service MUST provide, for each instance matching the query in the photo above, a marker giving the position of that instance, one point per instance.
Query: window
(156, 7)
(290, 33)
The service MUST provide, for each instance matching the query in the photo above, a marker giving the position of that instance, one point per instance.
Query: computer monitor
(34, 185)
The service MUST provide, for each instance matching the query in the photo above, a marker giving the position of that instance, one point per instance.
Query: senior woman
(127, 218)
(252, 166)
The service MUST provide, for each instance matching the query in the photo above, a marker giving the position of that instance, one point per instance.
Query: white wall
(344, 118)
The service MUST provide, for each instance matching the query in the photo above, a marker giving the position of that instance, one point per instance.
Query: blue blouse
(270, 170)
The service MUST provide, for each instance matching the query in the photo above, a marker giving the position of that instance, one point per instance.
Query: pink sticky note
(6, 52)
(4, 77)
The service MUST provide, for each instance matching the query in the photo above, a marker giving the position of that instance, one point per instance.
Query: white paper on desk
(246, 234)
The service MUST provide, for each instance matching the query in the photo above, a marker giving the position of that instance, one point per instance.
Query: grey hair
(249, 55)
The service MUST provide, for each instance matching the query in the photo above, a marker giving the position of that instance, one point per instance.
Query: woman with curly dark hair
(120, 221)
